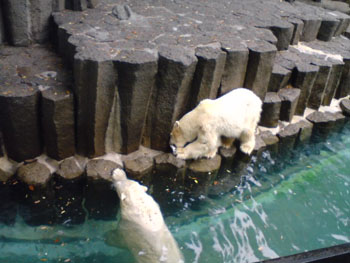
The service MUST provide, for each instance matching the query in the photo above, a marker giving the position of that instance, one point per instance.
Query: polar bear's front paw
(247, 148)
(181, 154)
(211, 154)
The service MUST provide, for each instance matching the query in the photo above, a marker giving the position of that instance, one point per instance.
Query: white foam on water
(196, 246)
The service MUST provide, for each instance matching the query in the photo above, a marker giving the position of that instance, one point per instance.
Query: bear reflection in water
(141, 227)
(215, 123)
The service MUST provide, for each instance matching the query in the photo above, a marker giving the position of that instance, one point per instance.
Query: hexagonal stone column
(289, 97)
(136, 80)
(333, 82)
(270, 110)
(21, 134)
(235, 66)
(207, 77)
(304, 80)
(176, 67)
(260, 64)
(57, 109)
(95, 83)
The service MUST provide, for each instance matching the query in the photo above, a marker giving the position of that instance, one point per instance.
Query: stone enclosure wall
(128, 69)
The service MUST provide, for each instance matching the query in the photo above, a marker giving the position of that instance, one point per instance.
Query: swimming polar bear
(215, 123)
(141, 227)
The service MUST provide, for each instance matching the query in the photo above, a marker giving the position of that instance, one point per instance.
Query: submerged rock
(345, 106)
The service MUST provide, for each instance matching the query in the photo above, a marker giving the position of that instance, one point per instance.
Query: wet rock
(227, 156)
(304, 80)
(8, 204)
(176, 67)
(168, 181)
(289, 98)
(340, 121)
(259, 147)
(345, 106)
(279, 78)
(235, 66)
(140, 168)
(21, 135)
(270, 110)
(323, 124)
(37, 205)
(69, 186)
(94, 91)
(260, 64)
(305, 132)
(57, 107)
(101, 201)
(70, 169)
(7, 169)
(270, 140)
(136, 80)
(333, 82)
(201, 174)
(320, 84)
(207, 77)
(225, 179)
(287, 138)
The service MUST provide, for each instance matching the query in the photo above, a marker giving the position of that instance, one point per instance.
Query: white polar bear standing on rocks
(215, 123)
(141, 228)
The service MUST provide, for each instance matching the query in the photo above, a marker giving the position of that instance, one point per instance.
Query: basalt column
(19, 118)
(235, 66)
(176, 67)
(94, 90)
(260, 64)
(136, 79)
(209, 70)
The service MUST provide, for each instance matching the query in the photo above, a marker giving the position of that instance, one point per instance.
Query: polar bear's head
(180, 137)
(136, 205)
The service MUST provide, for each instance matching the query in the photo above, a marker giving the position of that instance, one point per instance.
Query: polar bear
(141, 227)
(215, 123)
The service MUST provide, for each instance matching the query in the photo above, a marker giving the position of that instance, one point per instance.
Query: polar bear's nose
(173, 148)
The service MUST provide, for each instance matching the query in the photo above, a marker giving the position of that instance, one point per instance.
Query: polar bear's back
(237, 106)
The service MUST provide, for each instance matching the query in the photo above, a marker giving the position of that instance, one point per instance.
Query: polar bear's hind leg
(247, 139)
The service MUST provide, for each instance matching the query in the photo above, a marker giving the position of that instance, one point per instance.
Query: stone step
(36, 104)
(320, 70)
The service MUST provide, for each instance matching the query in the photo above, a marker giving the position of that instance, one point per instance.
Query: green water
(279, 207)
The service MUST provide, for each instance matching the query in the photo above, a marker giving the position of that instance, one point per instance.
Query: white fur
(141, 228)
(234, 115)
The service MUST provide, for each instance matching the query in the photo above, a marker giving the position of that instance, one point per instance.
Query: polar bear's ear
(177, 124)
(144, 188)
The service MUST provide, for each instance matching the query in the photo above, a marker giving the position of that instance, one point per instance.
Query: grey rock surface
(345, 106)
(280, 77)
(22, 79)
(289, 98)
(208, 74)
(70, 169)
(270, 110)
(57, 107)
(35, 173)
